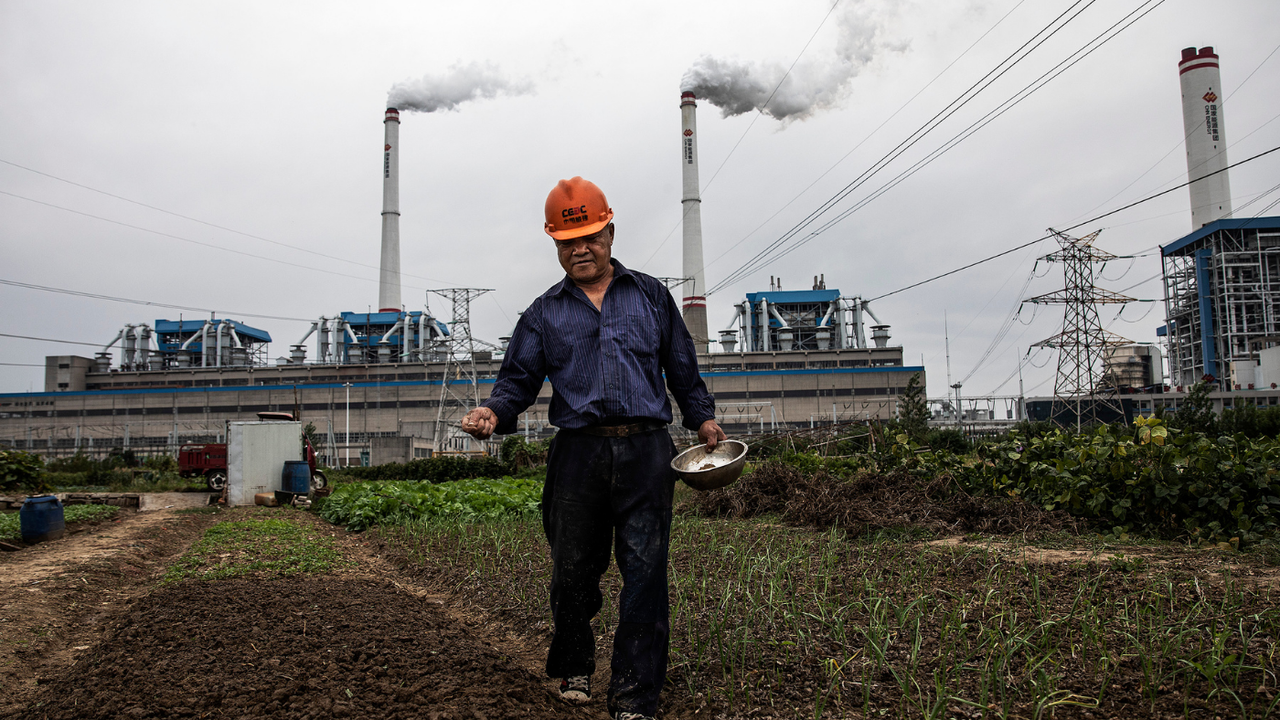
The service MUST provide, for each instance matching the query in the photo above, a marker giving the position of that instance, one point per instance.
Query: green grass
(257, 546)
(11, 523)
(884, 626)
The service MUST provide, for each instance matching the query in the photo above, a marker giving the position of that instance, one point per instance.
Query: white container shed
(256, 454)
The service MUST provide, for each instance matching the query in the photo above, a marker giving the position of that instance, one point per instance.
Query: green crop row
(362, 504)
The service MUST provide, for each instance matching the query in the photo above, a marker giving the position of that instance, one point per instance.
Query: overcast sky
(266, 119)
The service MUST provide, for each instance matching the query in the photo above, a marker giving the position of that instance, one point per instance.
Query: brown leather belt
(622, 430)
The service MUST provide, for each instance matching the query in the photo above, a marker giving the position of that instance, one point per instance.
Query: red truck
(210, 459)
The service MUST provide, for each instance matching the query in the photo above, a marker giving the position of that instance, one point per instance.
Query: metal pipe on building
(389, 276)
(694, 306)
(785, 334)
(322, 341)
(405, 331)
(218, 333)
(204, 344)
(422, 336)
(144, 346)
(729, 336)
(340, 346)
(765, 341)
(127, 348)
(187, 343)
(1206, 142)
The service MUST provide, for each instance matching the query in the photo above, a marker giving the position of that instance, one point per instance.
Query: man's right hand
(480, 423)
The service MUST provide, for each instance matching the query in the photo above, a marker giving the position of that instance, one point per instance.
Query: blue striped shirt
(605, 363)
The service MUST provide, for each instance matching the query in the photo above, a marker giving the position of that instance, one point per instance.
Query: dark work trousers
(607, 493)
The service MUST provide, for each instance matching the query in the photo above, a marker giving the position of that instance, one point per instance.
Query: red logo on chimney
(388, 147)
(1210, 97)
(688, 133)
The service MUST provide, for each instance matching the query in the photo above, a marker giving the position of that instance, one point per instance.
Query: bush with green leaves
(521, 454)
(20, 471)
(1153, 478)
(363, 504)
(438, 469)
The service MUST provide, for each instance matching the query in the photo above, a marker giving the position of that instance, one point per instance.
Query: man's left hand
(710, 434)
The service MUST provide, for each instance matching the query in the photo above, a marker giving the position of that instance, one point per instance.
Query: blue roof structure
(388, 319)
(1185, 245)
(794, 296)
(169, 327)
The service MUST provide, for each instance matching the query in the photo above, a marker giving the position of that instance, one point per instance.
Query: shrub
(1157, 479)
(443, 468)
(520, 454)
(948, 438)
(20, 471)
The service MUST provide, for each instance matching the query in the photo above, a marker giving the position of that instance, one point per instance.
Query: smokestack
(1206, 137)
(694, 307)
(389, 277)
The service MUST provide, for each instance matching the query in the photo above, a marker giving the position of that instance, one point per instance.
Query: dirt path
(361, 642)
(56, 597)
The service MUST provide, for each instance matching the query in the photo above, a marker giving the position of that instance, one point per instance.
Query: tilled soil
(56, 597)
(289, 648)
(102, 639)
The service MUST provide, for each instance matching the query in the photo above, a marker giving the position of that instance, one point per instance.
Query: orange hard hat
(576, 208)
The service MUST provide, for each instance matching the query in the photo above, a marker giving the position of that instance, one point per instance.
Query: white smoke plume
(458, 84)
(738, 87)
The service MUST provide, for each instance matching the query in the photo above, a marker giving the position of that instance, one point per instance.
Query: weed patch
(256, 546)
(821, 623)
(11, 523)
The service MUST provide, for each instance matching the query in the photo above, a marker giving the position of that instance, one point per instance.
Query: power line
(941, 116)
(869, 135)
(206, 223)
(183, 239)
(1182, 142)
(1073, 227)
(955, 140)
(170, 306)
(52, 340)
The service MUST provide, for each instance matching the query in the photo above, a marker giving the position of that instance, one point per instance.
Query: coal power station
(391, 385)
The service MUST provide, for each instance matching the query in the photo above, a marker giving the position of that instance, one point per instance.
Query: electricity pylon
(1082, 345)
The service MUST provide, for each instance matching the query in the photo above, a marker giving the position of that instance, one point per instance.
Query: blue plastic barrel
(42, 519)
(296, 477)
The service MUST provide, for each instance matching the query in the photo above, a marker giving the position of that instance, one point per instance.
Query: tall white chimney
(694, 307)
(389, 277)
(1206, 135)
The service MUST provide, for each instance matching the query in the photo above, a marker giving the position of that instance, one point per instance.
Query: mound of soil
(293, 648)
(868, 502)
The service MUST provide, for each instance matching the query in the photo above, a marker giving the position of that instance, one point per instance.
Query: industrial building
(385, 412)
(392, 385)
(1222, 299)
(1222, 281)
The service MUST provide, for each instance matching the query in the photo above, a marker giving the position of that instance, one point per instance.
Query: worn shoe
(576, 689)
(631, 716)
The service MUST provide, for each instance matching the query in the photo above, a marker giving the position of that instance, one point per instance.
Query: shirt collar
(619, 270)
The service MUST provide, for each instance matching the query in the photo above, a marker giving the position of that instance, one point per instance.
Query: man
(604, 336)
